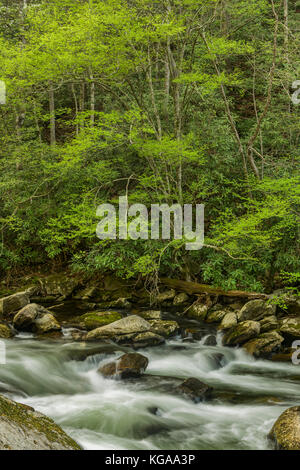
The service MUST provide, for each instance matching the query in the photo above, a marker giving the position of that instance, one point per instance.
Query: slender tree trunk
(52, 117)
(92, 99)
(76, 107)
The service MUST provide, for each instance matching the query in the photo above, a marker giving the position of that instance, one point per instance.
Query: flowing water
(60, 379)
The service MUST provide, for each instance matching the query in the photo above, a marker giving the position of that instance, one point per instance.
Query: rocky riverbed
(188, 372)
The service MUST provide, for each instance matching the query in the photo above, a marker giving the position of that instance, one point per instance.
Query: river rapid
(60, 379)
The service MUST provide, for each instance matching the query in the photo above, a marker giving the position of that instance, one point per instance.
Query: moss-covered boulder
(5, 332)
(129, 365)
(151, 314)
(180, 299)
(286, 431)
(144, 340)
(264, 345)
(198, 311)
(59, 285)
(194, 389)
(256, 310)
(228, 321)
(165, 328)
(290, 327)
(37, 319)
(92, 320)
(22, 428)
(215, 316)
(165, 296)
(241, 333)
(11, 304)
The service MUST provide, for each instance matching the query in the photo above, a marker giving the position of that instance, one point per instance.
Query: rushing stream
(60, 379)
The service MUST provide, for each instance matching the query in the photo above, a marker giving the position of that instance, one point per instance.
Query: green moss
(25, 417)
(93, 320)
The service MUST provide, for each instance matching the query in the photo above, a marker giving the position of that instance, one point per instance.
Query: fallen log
(193, 288)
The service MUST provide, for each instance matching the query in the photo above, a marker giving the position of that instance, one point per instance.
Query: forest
(175, 102)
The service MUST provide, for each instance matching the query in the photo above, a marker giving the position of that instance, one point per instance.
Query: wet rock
(93, 320)
(78, 335)
(165, 328)
(35, 318)
(241, 333)
(268, 324)
(11, 304)
(211, 340)
(194, 389)
(126, 328)
(23, 428)
(264, 344)
(284, 355)
(5, 332)
(180, 299)
(166, 295)
(215, 316)
(256, 310)
(286, 431)
(144, 340)
(151, 315)
(219, 359)
(198, 311)
(290, 327)
(228, 321)
(129, 365)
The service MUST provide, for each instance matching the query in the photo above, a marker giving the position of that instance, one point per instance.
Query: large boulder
(290, 327)
(286, 431)
(264, 344)
(144, 340)
(194, 389)
(229, 321)
(165, 296)
(215, 316)
(268, 324)
(129, 365)
(241, 333)
(11, 304)
(198, 311)
(164, 328)
(36, 319)
(22, 428)
(125, 329)
(256, 310)
(92, 320)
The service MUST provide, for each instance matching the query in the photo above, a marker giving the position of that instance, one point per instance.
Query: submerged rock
(241, 333)
(23, 428)
(286, 431)
(256, 310)
(264, 344)
(36, 319)
(211, 340)
(129, 365)
(13, 303)
(93, 320)
(194, 389)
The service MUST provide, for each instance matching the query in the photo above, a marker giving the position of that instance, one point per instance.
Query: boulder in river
(290, 327)
(23, 428)
(36, 319)
(151, 314)
(165, 328)
(144, 340)
(268, 324)
(129, 365)
(211, 340)
(194, 389)
(241, 333)
(256, 310)
(264, 344)
(165, 296)
(215, 316)
(93, 320)
(198, 311)
(229, 321)
(5, 331)
(125, 329)
(13, 303)
(286, 431)
(180, 299)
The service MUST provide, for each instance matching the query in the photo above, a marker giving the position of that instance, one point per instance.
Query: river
(60, 379)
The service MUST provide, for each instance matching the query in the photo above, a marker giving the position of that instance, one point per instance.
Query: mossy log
(193, 288)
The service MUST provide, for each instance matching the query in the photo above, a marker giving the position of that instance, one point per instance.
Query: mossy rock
(241, 333)
(5, 332)
(22, 428)
(198, 311)
(286, 431)
(264, 344)
(290, 327)
(93, 320)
